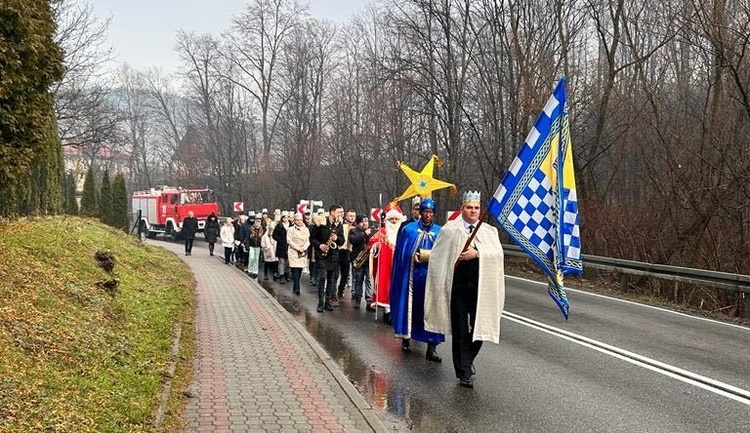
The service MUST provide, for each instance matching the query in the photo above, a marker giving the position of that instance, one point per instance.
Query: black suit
(328, 261)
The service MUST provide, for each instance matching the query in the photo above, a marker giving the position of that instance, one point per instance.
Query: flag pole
(482, 217)
(380, 251)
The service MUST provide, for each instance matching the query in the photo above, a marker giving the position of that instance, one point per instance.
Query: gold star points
(423, 182)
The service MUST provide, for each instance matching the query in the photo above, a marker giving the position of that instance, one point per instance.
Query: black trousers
(189, 245)
(345, 265)
(227, 254)
(326, 285)
(463, 317)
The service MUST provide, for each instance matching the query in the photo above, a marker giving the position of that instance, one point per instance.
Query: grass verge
(77, 354)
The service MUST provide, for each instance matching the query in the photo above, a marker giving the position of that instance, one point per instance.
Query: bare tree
(255, 44)
(136, 129)
(83, 100)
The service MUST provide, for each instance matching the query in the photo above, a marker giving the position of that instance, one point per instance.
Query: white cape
(491, 291)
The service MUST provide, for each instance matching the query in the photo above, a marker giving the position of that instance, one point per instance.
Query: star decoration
(422, 183)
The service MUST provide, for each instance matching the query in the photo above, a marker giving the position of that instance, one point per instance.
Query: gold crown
(470, 196)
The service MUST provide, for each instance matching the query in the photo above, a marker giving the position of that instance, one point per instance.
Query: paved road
(614, 366)
(539, 379)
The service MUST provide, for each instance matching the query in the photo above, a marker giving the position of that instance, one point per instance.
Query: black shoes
(405, 345)
(387, 318)
(328, 307)
(369, 308)
(466, 382)
(432, 354)
(320, 308)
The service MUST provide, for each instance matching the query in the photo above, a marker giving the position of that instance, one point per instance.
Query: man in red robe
(381, 253)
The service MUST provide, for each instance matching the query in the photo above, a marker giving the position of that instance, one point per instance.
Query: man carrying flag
(465, 289)
(536, 201)
(536, 205)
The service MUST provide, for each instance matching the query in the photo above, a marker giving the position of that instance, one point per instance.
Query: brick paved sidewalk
(257, 369)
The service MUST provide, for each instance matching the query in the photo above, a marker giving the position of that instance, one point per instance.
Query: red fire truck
(163, 209)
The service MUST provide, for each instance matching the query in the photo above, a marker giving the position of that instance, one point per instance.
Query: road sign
(451, 215)
(238, 206)
(375, 214)
(303, 207)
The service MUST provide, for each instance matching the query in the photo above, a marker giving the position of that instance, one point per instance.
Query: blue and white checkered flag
(536, 201)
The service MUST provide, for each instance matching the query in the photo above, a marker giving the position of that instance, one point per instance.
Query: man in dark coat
(279, 235)
(326, 239)
(189, 229)
(240, 231)
(358, 238)
(211, 232)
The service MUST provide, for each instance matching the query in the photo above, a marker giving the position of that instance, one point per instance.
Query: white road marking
(583, 292)
(737, 394)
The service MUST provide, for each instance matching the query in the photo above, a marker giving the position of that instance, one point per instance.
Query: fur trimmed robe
(491, 291)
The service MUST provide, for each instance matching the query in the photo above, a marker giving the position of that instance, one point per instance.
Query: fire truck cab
(164, 208)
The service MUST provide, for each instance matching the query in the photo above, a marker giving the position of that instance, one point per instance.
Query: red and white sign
(302, 208)
(375, 214)
(238, 206)
(451, 215)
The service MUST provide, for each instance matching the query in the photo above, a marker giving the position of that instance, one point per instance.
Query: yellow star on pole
(422, 183)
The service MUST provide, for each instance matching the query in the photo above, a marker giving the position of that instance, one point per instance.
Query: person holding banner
(465, 288)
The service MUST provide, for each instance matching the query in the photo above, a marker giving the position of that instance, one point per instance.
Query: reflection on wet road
(378, 387)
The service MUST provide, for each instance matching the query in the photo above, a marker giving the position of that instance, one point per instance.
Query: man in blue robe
(408, 277)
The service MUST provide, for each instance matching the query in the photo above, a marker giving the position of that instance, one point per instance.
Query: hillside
(84, 349)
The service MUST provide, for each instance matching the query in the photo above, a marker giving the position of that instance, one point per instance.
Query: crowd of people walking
(429, 281)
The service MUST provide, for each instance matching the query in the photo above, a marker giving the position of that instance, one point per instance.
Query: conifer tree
(30, 62)
(120, 203)
(105, 200)
(55, 167)
(89, 200)
(71, 204)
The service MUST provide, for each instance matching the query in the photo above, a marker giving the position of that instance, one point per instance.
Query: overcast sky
(142, 32)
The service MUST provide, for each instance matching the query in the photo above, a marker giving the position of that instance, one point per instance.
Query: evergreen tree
(71, 204)
(30, 62)
(55, 167)
(120, 203)
(89, 200)
(105, 200)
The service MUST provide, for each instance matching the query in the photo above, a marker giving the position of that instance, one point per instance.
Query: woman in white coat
(298, 240)
(227, 239)
(268, 245)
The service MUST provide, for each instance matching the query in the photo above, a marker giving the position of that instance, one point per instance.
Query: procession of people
(429, 281)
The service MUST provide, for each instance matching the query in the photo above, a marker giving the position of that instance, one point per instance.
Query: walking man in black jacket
(189, 229)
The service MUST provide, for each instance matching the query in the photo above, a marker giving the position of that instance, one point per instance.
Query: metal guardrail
(724, 280)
